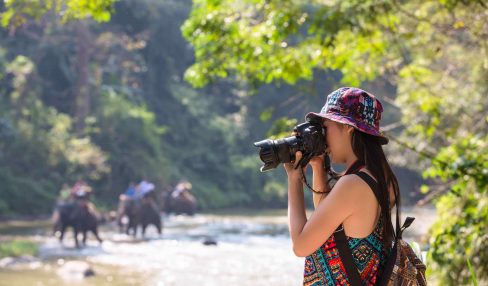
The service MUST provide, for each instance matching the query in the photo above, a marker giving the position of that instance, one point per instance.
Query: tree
(435, 57)
(140, 117)
(38, 149)
(18, 12)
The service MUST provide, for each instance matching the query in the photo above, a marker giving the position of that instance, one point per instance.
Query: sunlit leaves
(82, 152)
(467, 160)
(99, 10)
(281, 128)
(264, 41)
(130, 134)
(266, 114)
(230, 35)
(19, 11)
(39, 149)
(461, 230)
(434, 52)
(21, 67)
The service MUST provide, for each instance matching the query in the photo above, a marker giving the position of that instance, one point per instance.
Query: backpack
(403, 267)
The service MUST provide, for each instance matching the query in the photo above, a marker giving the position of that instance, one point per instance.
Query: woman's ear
(350, 129)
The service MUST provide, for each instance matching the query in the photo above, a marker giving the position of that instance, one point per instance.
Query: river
(252, 249)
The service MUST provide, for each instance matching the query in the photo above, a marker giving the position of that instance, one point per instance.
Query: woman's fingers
(294, 164)
(298, 157)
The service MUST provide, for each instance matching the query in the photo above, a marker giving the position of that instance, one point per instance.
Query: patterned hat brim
(349, 121)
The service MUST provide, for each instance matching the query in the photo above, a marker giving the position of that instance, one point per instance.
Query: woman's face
(338, 139)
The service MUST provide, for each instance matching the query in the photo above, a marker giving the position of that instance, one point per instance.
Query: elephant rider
(182, 189)
(180, 200)
(70, 196)
(131, 195)
(76, 187)
(82, 198)
(131, 191)
(145, 189)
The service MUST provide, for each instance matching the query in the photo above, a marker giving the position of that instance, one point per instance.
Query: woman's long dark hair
(369, 151)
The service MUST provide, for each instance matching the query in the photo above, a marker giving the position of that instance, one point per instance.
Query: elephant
(78, 214)
(180, 202)
(142, 212)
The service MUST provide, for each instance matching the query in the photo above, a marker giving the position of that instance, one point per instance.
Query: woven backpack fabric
(403, 267)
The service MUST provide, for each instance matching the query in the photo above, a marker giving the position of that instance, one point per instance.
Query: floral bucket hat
(354, 107)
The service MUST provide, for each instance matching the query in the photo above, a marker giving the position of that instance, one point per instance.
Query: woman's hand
(317, 162)
(291, 169)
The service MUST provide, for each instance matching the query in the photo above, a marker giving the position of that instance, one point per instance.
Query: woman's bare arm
(319, 180)
(342, 202)
(308, 234)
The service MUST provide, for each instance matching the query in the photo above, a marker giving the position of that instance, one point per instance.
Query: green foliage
(40, 137)
(130, 134)
(460, 232)
(265, 41)
(442, 92)
(434, 52)
(473, 276)
(18, 248)
(18, 12)
(274, 191)
(141, 120)
(281, 128)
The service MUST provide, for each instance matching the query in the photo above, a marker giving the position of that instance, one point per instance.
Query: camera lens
(309, 140)
(274, 152)
(267, 154)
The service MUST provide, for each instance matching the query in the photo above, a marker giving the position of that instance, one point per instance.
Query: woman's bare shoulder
(390, 187)
(351, 184)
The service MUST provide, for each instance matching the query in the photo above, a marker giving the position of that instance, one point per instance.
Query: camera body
(309, 139)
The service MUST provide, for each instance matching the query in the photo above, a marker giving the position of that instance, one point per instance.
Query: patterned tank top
(325, 267)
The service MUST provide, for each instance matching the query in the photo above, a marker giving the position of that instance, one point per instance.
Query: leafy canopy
(18, 12)
(435, 54)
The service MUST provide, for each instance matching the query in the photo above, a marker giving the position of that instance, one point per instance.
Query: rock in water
(209, 241)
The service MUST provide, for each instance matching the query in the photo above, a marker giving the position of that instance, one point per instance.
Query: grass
(18, 248)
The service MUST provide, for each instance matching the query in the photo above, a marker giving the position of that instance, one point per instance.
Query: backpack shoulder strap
(374, 186)
(341, 240)
(371, 183)
(346, 257)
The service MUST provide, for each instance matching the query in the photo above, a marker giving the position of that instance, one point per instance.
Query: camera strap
(355, 167)
(308, 185)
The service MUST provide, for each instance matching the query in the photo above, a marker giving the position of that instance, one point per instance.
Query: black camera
(309, 139)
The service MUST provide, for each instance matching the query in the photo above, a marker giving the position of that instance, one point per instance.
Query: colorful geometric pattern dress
(325, 267)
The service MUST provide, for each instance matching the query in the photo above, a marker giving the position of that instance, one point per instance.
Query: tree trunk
(81, 89)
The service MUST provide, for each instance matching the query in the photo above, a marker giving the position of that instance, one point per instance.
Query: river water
(252, 249)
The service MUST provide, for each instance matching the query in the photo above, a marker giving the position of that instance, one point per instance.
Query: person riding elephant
(140, 208)
(180, 200)
(80, 214)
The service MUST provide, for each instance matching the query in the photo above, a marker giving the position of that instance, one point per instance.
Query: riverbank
(15, 248)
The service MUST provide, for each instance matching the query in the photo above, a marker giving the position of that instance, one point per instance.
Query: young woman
(351, 118)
